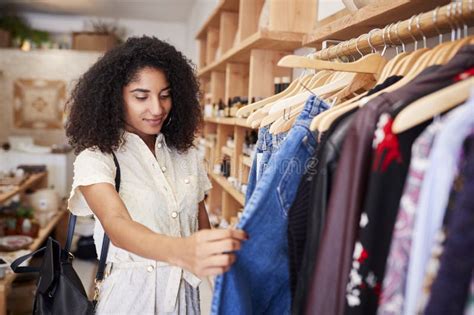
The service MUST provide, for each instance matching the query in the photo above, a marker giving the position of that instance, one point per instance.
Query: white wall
(201, 10)
(174, 33)
(53, 64)
(329, 7)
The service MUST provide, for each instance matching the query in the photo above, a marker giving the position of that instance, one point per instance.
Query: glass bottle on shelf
(285, 83)
(277, 85)
(221, 108)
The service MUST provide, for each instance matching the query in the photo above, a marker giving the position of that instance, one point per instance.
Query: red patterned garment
(391, 159)
(393, 291)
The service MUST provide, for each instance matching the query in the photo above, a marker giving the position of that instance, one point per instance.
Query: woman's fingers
(219, 261)
(222, 246)
(212, 251)
(220, 234)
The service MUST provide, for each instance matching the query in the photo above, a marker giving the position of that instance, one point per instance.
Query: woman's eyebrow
(166, 88)
(140, 90)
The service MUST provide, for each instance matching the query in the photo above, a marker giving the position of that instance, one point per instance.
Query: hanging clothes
(327, 295)
(309, 214)
(260, 161)
(393, 292)
(392, 154)
(434, 197)
(450, 290)
(245, 288)
(437, 250)
(267, 145)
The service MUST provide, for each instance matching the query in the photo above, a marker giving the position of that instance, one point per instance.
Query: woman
(139, 101)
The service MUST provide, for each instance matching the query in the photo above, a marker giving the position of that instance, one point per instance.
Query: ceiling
(156, 10)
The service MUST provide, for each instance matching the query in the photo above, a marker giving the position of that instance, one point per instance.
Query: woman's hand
(209, 252)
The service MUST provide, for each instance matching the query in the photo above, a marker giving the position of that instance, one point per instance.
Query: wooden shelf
(220, 120)
(222, 181)
(227, 151)
(32, 180)
(246, 160)
(42, 236)
(367, 18)
(241, 122)
(214, 19)
(262, 39)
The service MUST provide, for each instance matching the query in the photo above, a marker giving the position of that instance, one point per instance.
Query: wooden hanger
(331, 87)
(372, 63)
(440, 48)
(248, 109)
(432, 105)
(409, 76)
(285, 122)
(411, 60)
(324, 120)
(392, 65)
(298, 87)
(361, 81)
(327, 120)
(327, 117)
(295, 103)
(388, 70)
(256, 117)
(455, 48)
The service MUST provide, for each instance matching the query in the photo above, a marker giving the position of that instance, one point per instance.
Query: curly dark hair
(96, 107)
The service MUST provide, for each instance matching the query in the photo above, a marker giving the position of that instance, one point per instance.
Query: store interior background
(176, 21)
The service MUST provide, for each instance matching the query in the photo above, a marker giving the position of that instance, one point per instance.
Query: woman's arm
(204, 253)
(203, 218)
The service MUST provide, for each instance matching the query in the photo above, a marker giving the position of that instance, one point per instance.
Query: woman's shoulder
(94, 155)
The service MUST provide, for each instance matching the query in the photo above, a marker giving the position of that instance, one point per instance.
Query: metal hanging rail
(456, 16)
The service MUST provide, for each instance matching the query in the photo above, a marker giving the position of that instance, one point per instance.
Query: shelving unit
(34, 179)
(58, 222)
(240, 45)
(6, 283)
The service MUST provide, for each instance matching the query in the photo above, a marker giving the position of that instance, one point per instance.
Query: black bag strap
(16, 264)
(70, 231)
(106, 241)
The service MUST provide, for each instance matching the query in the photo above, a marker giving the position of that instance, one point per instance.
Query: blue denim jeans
(260, 160)
(258, 282)
(267, 144)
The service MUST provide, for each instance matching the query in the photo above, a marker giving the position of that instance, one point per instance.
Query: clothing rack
(454, 16)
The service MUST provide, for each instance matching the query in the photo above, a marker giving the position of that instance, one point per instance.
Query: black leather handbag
(59, 290)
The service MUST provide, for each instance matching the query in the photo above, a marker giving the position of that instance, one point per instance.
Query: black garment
(388, 81)
(450, 289)
(309, 210)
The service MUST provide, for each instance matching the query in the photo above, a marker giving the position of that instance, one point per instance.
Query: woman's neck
(148, 139)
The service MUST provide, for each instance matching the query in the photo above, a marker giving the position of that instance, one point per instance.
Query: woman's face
(147, 102)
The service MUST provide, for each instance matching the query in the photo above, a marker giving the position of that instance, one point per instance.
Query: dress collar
(134, 138)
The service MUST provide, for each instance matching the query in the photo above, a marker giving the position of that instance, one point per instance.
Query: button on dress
(163, 194)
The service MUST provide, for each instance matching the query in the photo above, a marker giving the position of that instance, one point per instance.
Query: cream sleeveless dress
(161, 193)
